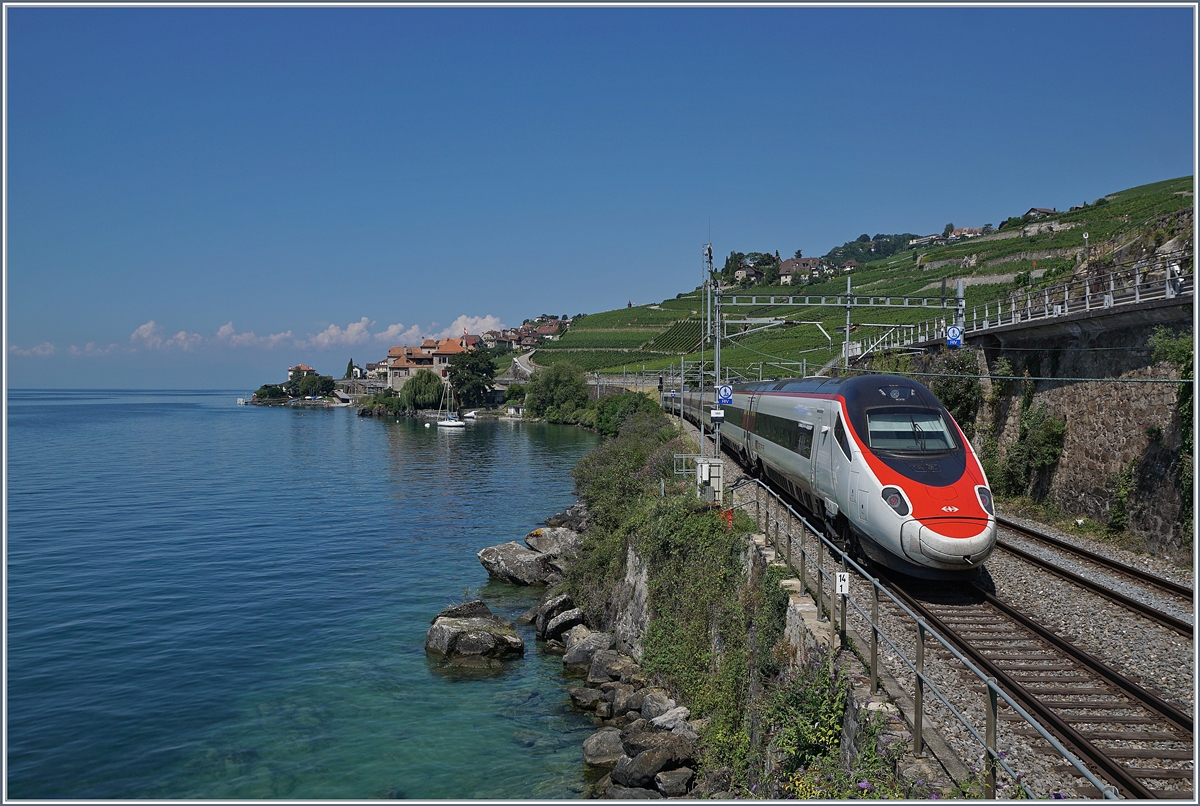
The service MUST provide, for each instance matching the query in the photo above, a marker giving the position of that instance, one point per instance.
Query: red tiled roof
(448, 347)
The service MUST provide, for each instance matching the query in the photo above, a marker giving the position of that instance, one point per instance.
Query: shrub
(803, 710)
(612, 412)
(270, 392)
(555, 386)
(961, 396)
(1037, 449)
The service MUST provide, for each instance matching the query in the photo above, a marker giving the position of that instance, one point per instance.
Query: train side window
(804, 439)
(839, 433)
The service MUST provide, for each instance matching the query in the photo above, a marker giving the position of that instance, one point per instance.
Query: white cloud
(153, 336)
(334, 336)
(472, 324)
(227, 334)
(91, 349)
(43, 350)
(184, 340)
(150, 335)
(275, 338)
(397, 334)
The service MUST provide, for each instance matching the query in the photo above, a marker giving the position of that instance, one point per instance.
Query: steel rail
(1154, 614)
(1172, 714)
(1110, 768)
(1100, 559)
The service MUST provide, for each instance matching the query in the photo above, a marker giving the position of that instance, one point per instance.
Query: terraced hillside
(1022, 256)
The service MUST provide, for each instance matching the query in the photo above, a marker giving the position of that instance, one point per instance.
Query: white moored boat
(451, 419)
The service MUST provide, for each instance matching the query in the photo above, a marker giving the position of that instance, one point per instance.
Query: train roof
(830, 386)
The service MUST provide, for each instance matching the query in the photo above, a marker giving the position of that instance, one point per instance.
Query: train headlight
(895, 499)
(985, 500)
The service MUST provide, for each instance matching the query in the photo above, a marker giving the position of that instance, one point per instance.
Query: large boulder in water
(469, 635)
(549, 609)
(575, 518)
(554, 541)
(603, 748)
(581, 651)
(515, 563)
(564, 621)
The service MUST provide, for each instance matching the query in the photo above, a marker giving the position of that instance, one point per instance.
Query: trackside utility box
(710, 479)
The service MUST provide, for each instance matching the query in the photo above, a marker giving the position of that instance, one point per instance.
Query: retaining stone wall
(1109, 426)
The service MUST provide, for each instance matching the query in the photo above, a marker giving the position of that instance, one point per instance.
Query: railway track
(1137, 576)
(1129, 736)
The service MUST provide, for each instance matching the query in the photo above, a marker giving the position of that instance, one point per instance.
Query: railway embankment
(700, 675)
(1124, 734)
(683, 610)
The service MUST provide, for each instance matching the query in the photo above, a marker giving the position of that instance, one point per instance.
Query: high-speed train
(876, 457)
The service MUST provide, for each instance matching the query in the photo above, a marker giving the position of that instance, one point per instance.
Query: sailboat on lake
(450, 420)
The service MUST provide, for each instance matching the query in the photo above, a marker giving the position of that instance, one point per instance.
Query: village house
(797, 267)
(299, 371)
(1040, 212)
(404, 361)
(747, 274)
(967, 232)
(548, 330)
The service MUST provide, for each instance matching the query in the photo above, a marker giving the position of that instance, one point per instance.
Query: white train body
(876, 457)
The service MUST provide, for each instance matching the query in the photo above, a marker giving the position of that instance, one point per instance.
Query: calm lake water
(214, 601)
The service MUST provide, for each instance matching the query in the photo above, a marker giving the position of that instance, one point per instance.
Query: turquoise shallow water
(214, 601)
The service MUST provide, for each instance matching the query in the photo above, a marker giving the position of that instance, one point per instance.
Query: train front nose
(949, 543)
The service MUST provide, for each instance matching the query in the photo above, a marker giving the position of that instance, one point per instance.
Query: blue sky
(199, 198)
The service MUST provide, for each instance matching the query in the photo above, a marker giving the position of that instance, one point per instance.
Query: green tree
(311, 385)
(799, 254)
(349, 370)
(613, 412)
(471, 375)
(562, 386)
(270, 392)
(771, 274)
(760, 260)
(515, 393)
(864, 238)
(422, 391)
(732, 264)
(946, 230)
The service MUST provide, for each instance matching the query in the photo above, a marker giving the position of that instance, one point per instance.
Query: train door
(748, 430)
(841, 453)
(822, 466)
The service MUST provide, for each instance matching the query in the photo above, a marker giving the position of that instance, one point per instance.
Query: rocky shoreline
(645, 745)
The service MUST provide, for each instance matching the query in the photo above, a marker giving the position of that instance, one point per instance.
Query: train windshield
(909, 430)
